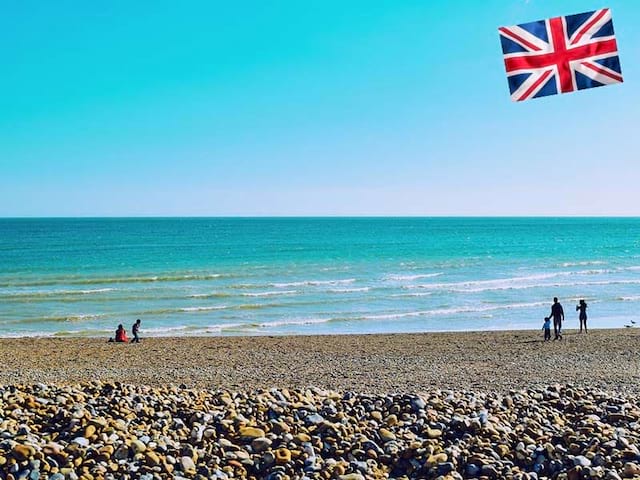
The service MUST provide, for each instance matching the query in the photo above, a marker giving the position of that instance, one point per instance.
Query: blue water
(187, 276)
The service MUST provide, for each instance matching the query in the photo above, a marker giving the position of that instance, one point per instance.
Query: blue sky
(302, 108)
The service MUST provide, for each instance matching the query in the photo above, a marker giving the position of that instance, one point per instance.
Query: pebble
(102, 431)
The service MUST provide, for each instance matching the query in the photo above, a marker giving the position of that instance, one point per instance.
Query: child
(135, 330)
(547, 328)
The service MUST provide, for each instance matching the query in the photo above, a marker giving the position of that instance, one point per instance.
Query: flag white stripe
(586, 38)
(522, 33)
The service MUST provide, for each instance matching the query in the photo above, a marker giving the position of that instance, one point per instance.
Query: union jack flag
(560, 55)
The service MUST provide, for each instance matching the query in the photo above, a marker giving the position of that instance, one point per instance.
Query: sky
(321, 107)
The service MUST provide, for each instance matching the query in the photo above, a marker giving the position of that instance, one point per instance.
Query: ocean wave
(211, 295)
(71, 318)
(581, 264)
(313, 283)
(349, 290)
(632, 298)
(270, 294)
(413, 277)
(519, 283)
(53, 293)
(109, 280)
(192, 330)
(452, 311)
(507, 282)
(303, 321)
(200, 309)
(414, 294)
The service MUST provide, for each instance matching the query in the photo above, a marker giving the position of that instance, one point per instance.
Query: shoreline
(372, 363)
(234, 334)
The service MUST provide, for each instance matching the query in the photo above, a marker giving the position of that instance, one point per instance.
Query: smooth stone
(152, 458)
(82, 441)
(187, 464)
(386, 435)
(631, 469)
(248, 434)
(582, 461)
(23, 452)
(314, 419)
(434, 460)
(138, 446)
(283, 455)
(260, 444)
(472, 470)
(351, 476)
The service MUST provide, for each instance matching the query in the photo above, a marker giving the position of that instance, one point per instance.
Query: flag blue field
(561, 55)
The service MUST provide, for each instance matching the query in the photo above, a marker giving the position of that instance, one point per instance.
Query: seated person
(121, 334)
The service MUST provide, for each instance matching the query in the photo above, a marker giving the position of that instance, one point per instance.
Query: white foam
(414, 277)
(270, 294)
(201, 309)
(581, 264)
(53, 293)
(415, 294)
(303, 321)
(633, 298)
(349, 290)
(453, 311)
(313, 283)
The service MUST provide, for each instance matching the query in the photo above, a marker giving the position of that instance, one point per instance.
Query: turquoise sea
(266, 276)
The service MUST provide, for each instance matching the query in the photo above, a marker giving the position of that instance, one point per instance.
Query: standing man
(558, 316)
(135, 329)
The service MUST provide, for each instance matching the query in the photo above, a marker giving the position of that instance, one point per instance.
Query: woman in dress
(582, 308)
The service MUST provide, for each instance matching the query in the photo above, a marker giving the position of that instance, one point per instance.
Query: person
(582, 307)
(547, 328)
(121, 334)
(135, 330)
(558, 316)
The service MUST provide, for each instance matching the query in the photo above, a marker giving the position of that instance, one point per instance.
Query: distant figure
(558, 316)
(547, 328)
(582, 307)
(121, 334)
(135, 329)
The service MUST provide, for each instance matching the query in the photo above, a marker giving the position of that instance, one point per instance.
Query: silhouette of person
(582, 307)
(136, 330)
(557, 313)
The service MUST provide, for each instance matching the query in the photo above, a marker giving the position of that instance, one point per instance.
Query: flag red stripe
(524, 42)
(586, 28)
(535, 85)
(602, 71)
(526, 62)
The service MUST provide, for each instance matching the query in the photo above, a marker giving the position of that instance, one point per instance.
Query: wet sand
(481, 361)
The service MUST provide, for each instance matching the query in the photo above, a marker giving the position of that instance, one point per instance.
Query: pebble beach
(446, 406)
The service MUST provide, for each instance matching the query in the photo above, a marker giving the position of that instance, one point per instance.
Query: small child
(547, 328)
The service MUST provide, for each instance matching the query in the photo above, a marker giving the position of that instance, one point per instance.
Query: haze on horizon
(364, 108)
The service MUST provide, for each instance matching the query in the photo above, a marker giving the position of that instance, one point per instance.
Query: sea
(305, 276)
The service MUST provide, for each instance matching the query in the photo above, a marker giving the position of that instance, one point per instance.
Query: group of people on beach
(557, 315)
(121, 334)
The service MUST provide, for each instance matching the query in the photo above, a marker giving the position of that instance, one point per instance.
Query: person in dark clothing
(582, 307)
(557, 313)
(135, 330)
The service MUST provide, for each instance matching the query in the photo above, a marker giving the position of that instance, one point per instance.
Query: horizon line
(89, 217)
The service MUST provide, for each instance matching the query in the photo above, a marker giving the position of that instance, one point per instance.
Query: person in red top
(121, 334)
